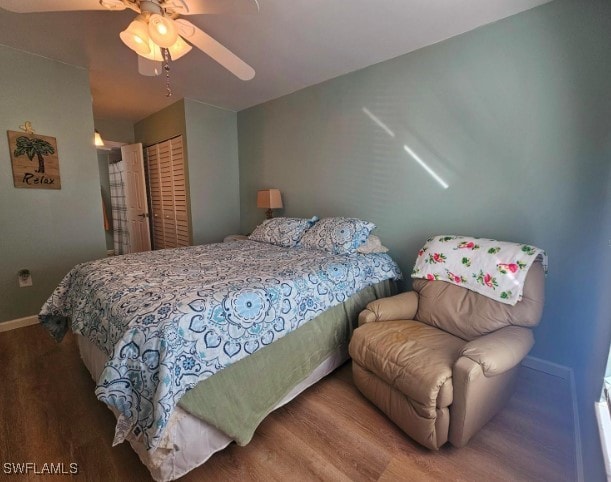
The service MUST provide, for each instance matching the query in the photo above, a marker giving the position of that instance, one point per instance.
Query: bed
(170, 336)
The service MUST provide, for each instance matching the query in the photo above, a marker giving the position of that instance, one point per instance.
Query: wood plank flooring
(49, 414)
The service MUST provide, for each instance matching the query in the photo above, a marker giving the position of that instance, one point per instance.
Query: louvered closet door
(180, 194)
(154, 178)
(169, 194)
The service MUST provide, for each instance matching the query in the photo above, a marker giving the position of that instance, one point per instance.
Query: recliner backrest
(469, 315)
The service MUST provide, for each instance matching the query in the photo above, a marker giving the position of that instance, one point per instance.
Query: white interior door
(135, 197)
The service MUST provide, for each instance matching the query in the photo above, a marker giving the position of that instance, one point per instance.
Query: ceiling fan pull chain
(166, 68)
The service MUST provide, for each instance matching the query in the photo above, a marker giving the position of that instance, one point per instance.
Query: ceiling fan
(157, 34)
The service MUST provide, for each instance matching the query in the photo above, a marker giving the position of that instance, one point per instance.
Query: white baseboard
(577, 429)
(18, 323)
(604, 430)
(565, 373)
(548, 367)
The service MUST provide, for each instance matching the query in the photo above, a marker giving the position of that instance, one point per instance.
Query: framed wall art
(34, 160)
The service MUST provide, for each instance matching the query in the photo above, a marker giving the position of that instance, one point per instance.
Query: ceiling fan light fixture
(162, 30)
(179, 48)
(154, 52)
(149, 67)
(136, 36)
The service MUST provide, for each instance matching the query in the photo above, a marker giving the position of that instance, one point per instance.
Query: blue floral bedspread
(171, 318)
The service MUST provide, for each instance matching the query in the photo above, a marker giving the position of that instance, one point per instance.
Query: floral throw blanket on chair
(496, 269)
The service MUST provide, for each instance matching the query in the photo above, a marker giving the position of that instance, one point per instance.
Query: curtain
(119, 208)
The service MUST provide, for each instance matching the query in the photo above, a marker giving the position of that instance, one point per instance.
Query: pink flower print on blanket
(485, 279)
(467, 245)
(505, 268)
(455, 278)
(436, 258)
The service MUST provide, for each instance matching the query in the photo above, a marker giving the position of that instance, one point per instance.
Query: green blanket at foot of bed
(238, 398)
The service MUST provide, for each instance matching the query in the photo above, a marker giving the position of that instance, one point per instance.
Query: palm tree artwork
(34, 159)
(34, 147)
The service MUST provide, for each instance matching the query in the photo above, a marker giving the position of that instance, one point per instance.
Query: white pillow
(372, 245)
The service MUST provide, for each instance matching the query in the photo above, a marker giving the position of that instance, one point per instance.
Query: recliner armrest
(500, 350)
(399, 307)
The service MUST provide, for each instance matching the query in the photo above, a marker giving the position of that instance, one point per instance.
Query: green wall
(115, 130)
(47, 231)
(212, 142)
(162, 125)
(514, 117)
(210, 135)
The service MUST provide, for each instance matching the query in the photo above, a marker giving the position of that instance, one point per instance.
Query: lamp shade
(162, 30)
(179, 48)
(97, 139)
(269, 199)
(153, 54)
(136, 36)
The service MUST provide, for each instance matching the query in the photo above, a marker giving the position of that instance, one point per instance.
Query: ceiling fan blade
(148, 67)
(214, 49)
(197, 7)
(30, 6)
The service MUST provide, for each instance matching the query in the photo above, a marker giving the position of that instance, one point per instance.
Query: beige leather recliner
(440, 361)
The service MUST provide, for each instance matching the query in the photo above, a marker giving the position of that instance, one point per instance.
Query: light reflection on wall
(376, 120)
(425, 166)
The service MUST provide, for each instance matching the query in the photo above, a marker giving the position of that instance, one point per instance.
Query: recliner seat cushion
(469, 315)
(430, 432)
(412, 357)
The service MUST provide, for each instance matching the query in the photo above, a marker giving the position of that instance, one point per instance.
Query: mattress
(188, 441)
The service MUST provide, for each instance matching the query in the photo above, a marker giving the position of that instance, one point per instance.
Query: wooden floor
(49, 414)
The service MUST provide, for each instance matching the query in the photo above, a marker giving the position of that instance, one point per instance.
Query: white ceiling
(290, 43)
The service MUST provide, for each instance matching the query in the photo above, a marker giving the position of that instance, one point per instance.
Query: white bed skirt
(188, 441)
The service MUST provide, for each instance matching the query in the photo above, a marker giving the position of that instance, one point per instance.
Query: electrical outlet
(25, 278)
